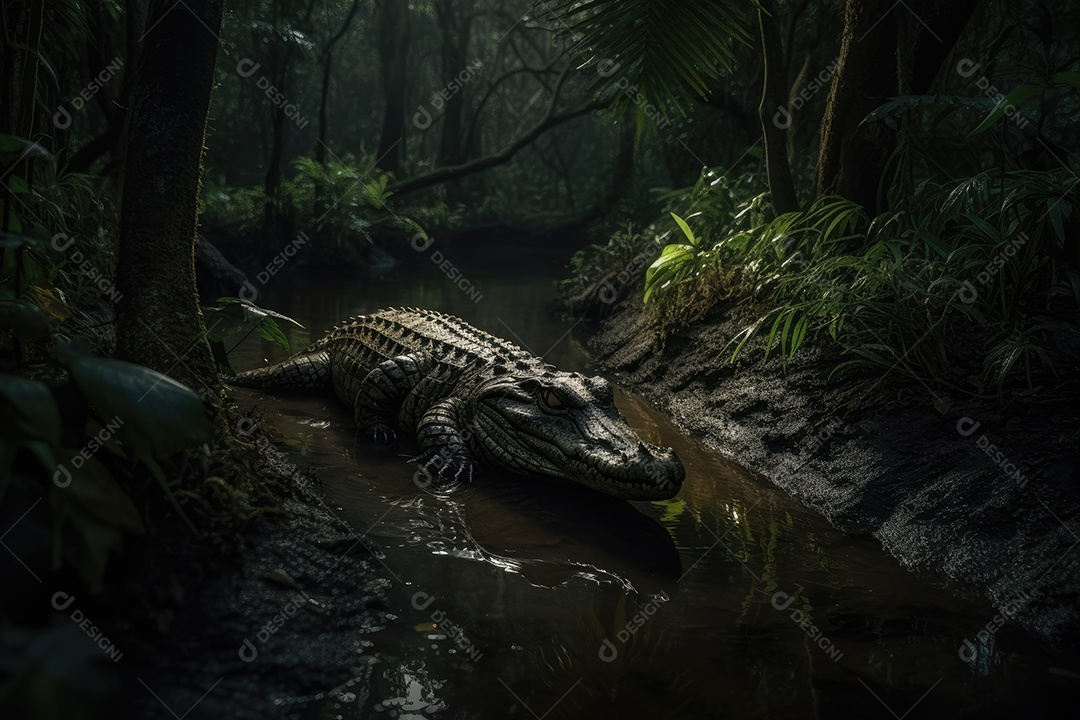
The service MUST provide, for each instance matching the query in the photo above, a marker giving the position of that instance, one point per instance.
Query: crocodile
(474, 400)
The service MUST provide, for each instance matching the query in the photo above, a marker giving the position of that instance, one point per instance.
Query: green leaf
(667, 268)
(1020, 95)
(1067, 78)
(800, 333)
(25, 320)
(15, 148)
(1058, 211)
(686, 229)
(32, 408)
(94, 508)
(93, 490)
(272, 332)
(935, 244)
(991, 232)
(221, 356)
(12, 242)
(647, 53)
(899, 105)
(159, 416)
(254, 312)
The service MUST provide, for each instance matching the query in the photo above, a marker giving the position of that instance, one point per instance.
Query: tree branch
(495, 83)
(489, 161)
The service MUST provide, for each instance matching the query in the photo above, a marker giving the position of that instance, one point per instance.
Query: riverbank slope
(987, 499)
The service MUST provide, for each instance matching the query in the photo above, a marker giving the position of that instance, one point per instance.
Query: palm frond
(657, 52)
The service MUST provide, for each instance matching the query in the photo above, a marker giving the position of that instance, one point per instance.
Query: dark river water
(524, 599)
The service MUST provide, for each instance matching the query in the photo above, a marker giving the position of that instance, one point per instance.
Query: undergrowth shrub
(969, 286)
(342, 206)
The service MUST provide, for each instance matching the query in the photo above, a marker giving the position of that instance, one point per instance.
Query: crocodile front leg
(441, 434)
(383, 390)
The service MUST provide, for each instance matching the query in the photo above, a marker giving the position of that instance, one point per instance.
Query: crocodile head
(565, 425)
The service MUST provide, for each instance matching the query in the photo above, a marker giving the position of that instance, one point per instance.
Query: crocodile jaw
(591, 445)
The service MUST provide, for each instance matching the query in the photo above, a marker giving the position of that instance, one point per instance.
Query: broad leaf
(31, 408)
(254, 312)
(94, 513)
(25, 320)
(1015, 99)
(686, 229)
(663, 54)
(14, 148)
(160, 416)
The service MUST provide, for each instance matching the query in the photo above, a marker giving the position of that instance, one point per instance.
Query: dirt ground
(986, 499)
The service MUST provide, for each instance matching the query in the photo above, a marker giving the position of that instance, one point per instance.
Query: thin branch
(483, 101)
(449, 173)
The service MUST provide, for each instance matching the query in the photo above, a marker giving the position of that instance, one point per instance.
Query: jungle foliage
(966, 281)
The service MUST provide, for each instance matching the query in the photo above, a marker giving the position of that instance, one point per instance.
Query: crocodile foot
(380, 433)
(449, 463)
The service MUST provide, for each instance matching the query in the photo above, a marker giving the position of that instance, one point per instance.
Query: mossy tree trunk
(887, 49)
(853, 155)
(158, 319)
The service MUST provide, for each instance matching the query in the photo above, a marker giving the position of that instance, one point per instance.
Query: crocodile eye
(553, 401)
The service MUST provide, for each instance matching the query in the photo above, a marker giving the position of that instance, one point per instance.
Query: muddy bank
(987, 499)
(269, 633)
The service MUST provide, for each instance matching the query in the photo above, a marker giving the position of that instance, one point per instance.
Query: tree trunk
(886, 49)
(456, 27)
(158, 319)
(114, 97)
(947, 19)
(327, 61)
(853, 155)
(393, 51)
(272, 181)
(773, 112)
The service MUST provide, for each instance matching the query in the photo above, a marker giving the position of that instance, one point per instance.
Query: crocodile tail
(307, 371)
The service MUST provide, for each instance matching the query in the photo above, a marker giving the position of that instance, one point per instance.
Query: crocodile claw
(380, 433)
(449, 463)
